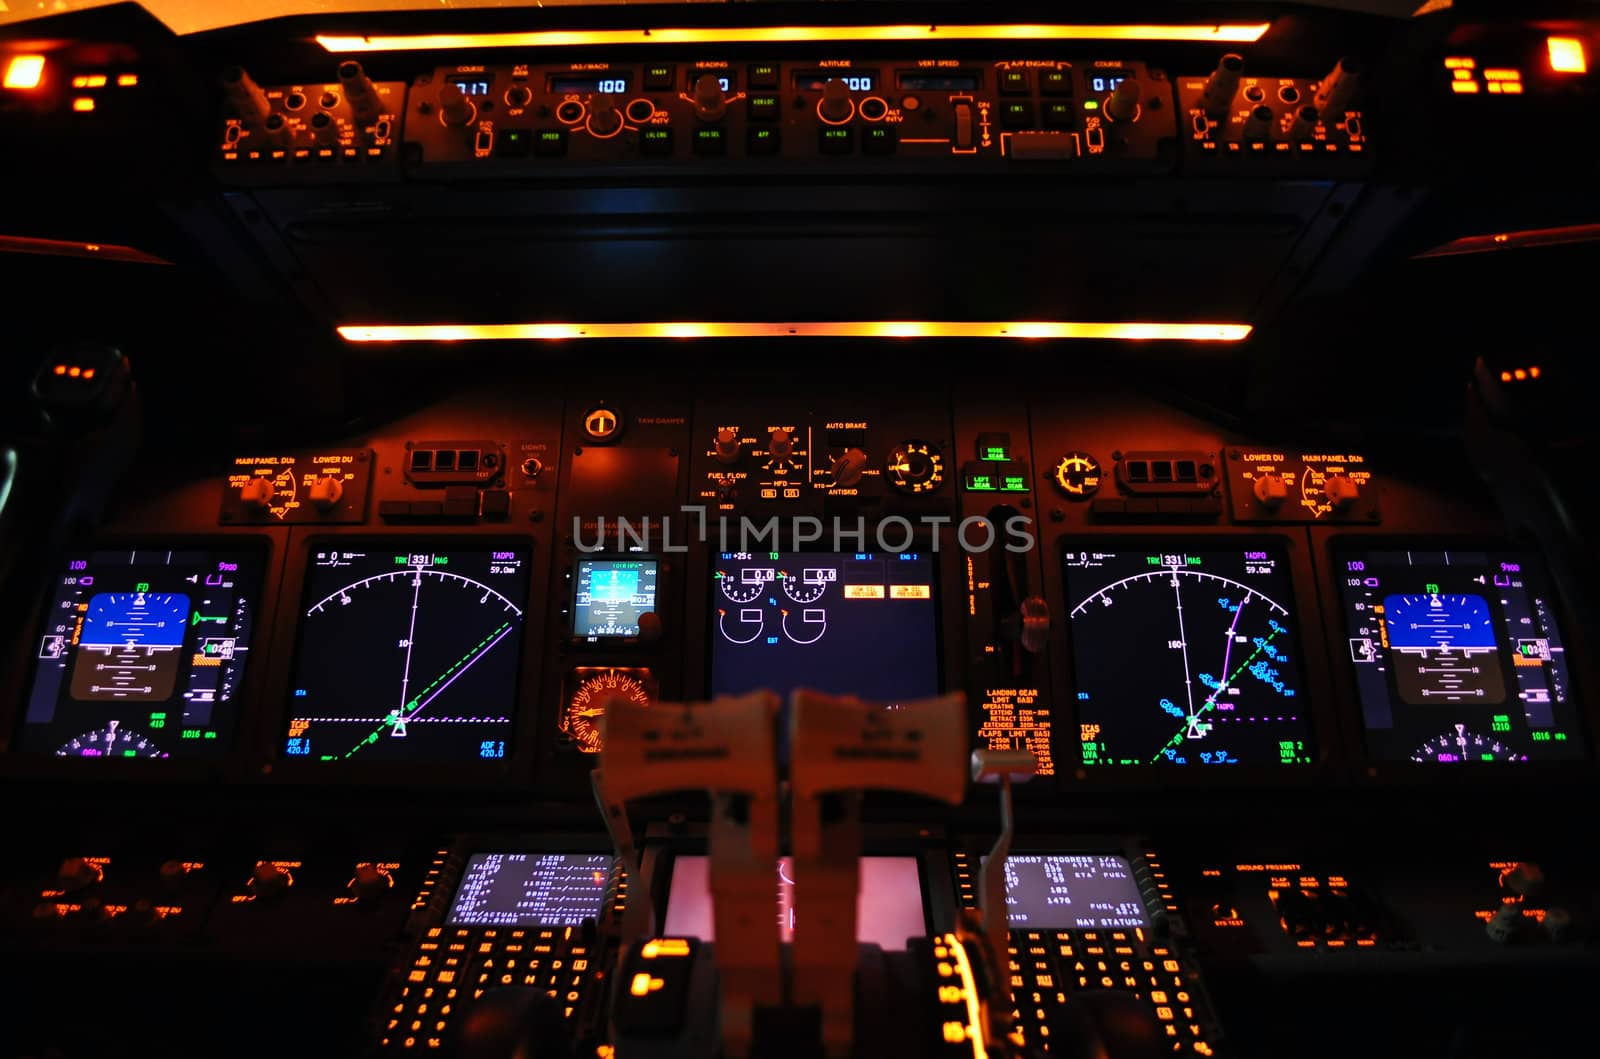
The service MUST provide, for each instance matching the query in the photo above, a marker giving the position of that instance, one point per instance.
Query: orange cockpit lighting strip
(1222, 33)
(1046, 329)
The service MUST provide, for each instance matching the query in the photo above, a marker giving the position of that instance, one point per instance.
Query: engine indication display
(407, 654)
(142, 653)
(610, 596)
(1457, 656)
(860, 624)
(1186, 658)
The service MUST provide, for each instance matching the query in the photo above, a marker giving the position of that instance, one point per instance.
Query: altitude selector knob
(836, 105)
(710, 102)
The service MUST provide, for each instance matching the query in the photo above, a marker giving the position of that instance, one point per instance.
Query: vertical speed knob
(454, 106)
(1337, 92)
(710, 102)
(836, 105)
(1222, 85)
(1124, 102)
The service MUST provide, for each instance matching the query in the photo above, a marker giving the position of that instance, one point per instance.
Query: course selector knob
(1124, 102)
(710, 102)
(454, 106)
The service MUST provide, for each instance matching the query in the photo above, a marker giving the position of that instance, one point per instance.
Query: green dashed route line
(1211, 700)
(412, 705)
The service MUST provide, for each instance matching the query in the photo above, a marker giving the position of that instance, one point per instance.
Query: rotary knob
(1341, 491)
(1337, 92)
(848, 467)
(915, 467)
(245, 98)
(1523, 878)
(370, 883)
(1271, 490)
(781, 444)
(268, 881)
(1123, 105)
(727, 445)
(1222, 85)
(604, 119)
(1506, 924)
(359, 90)
(256, 493)
(78, 873)
(1258, 127)
(836, 106)
(710, 101)
(325, 492)
(454, 106)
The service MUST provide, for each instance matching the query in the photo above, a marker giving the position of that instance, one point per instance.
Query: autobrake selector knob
(727, 445)
(1337, 92)
(848, 468)
(710, 101)
(836, 105)
(244, 96)
(454, 106)
(1222, 85)
(1123, 105)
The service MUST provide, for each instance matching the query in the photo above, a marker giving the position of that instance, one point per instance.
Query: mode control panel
(918, 113)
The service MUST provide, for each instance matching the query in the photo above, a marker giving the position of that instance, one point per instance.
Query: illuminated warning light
(127, 80)
(1464, 87)
(24, 71)
(1502, 75)
(1566, 55)
(1459, 63)
(1232, 34)
(1520, 374)
(83, 104)
(1463, 75)
(89, 81)
(863, 591)
(1045, 329)
(910, 592)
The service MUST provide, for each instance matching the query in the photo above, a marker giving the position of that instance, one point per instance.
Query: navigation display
(1457, 656)
(862, 624)
(407, 653)
(1186, 656)
(142, 654)
(530, 889)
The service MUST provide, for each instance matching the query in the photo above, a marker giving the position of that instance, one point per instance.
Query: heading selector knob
(710, 102)
(1222, 85)
(727, 445)
(836, 105)
(1124, 102)
(454, 106)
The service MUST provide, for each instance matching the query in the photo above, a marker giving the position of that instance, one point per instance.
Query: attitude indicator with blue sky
(1186, 658)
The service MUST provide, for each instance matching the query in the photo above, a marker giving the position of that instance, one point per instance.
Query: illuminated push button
(763, 108)
(1123, 104)
(710, 102)
(659, 77)
(835, 140)
(256, 493)
(711, 141)
(325, 492)
(1524, 878)
(1055, 83)
(1017, 115)
(268, 881)
(1058, 115)
(1222, 85)
(78, 873)
(1341, 492)
(550, 143)
(763, 75)
(655, 141)
(879, 139)
(369, 883)
(454, 106)
(727, 448)
(762, 140)
(1014, 83)
(1271, 491)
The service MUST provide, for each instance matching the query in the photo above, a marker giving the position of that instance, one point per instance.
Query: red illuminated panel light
(1567, 55)
(1049, 329)
(24, 72)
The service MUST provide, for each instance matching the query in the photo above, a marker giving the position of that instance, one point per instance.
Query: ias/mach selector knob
(605, 120)
(710, 101)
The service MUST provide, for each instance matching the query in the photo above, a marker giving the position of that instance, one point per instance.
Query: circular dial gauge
(737, 589)
(915, 467)
(110, 741)
(804, 586)
(1078, 475)
(591, 688)
(1462, 745)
